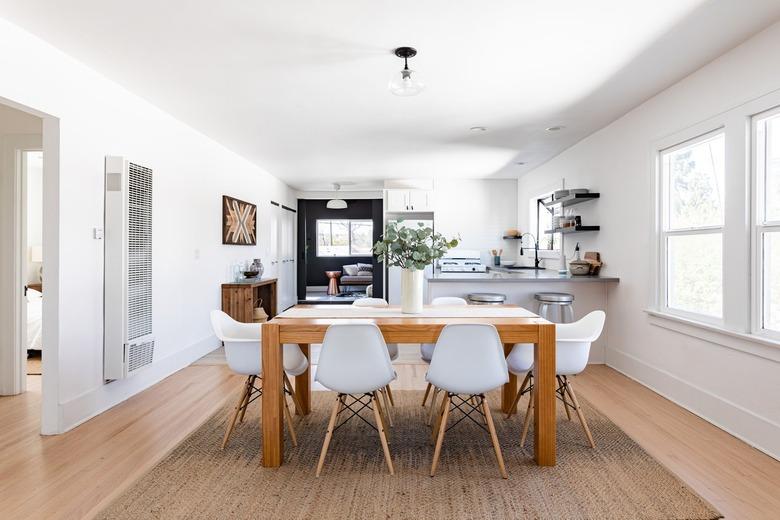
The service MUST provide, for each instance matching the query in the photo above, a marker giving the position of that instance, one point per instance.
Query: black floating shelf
(507, 237)
(575, 229)
(571, 200)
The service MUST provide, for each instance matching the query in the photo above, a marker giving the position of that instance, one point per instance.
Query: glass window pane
(362, 231)
(694, 181)
(332, 238)
(694, 273)
(771, 279)
(769, 160)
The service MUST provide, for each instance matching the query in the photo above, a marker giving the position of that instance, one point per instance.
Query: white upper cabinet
(407, 201)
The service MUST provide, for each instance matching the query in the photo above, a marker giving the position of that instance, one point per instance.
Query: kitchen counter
(499, 274)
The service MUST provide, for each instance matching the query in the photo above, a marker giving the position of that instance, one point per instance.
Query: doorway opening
(21, 251)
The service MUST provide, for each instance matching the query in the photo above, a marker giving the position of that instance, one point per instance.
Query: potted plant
(411, 249)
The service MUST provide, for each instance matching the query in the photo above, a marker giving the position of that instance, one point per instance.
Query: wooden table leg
(273, 398)
(509, 390)
(544, 396)
(303, 382)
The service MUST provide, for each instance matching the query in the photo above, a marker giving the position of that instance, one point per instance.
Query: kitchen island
(590, 292)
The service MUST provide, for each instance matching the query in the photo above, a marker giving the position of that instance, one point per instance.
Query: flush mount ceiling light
(478, 129)
(406, 82)
(554, 128)
(336, 203)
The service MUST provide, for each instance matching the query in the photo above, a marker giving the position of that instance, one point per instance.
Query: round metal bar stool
(556, 307)
(486, 299)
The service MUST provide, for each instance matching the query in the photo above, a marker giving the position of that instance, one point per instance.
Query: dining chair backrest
(449, 300)
(370, 302)
(573, 341)
(468, 359)
(354, 359)
(242, 343)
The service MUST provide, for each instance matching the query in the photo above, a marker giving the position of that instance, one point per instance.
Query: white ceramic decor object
(412, 291)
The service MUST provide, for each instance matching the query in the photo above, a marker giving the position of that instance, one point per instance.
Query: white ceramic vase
(412, 291)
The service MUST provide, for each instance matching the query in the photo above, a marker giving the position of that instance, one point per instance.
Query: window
(766, 144)
(692, 220)
(546, 241)
(344, 237)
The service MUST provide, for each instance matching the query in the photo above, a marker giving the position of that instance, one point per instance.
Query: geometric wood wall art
(239, 222)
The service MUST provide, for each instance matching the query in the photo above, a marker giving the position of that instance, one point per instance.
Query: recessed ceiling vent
(128, 343)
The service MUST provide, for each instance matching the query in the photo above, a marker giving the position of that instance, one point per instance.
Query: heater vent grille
(139, 253)
(139, 355)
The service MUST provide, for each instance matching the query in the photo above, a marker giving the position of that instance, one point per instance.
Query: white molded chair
(468, 361)
(572, 349)
(426, 349)
(392, 349)
(244, 356)
(354, 363)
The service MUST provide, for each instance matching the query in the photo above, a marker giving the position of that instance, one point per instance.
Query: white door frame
(51, 422)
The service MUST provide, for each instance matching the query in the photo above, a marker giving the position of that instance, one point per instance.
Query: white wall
(480, 211)
(34, 211)
(735, 390)
(97, 118)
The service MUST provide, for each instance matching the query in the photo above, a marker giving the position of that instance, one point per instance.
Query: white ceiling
(300, 86)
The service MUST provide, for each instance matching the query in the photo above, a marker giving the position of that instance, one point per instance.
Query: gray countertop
(506, 275)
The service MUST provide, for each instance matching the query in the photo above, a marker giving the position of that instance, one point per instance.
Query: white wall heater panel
(128, 342)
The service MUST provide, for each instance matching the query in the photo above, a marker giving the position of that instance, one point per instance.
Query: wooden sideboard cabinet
(239, 298)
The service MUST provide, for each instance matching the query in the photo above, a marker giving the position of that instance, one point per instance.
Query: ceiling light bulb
(406, 82)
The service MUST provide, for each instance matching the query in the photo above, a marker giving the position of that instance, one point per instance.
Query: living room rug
(616, 480)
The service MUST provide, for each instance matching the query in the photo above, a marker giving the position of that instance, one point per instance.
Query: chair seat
(392, 349)
(521, 359)
(426, 351)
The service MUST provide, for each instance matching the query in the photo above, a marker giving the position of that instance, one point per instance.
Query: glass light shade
(406, 82)
(336, 204)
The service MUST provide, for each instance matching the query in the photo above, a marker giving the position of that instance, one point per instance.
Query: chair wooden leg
(239, 406)
(529, 412)
(578, 409)
(437, 422)
(290, 426)
(494, 438)
(381, 429)
(390, 396)
(442, 429)
(329, 434)
(386, 406)
(248, 396)
(382, 414)
(433, 405)
(519, 395)
(425, 396)
(296, 401)
(562, 388)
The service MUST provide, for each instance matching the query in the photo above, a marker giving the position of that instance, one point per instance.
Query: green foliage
(411, 248)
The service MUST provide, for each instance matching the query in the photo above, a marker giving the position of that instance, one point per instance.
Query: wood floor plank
(76, 474)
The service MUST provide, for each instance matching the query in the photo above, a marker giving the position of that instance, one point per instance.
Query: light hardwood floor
(76, 474)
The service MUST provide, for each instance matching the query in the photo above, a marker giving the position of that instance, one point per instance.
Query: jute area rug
(617, 480)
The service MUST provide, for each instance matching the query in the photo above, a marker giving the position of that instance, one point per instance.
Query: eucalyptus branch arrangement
(411, 248)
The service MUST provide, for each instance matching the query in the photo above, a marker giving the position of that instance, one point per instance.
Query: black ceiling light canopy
(406, 82)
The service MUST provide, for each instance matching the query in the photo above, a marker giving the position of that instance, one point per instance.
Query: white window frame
(742, 306)
(665, 233)
(758, 228)
(349, 236)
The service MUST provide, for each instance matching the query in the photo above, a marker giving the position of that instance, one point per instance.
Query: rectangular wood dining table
(291, 327)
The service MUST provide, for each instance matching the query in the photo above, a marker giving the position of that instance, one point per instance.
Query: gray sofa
(357, 275)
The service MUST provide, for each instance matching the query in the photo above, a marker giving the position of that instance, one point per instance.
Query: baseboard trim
(757, 431)
(96, 401)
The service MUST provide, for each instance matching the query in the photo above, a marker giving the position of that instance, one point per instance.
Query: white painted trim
(96, 401)
(743, 342)
(728, 416)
